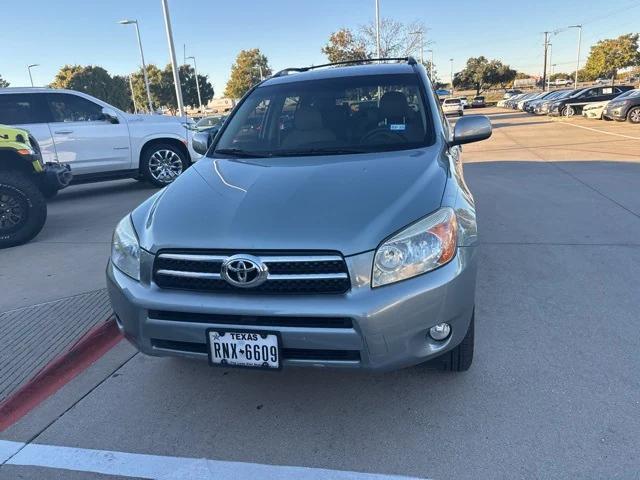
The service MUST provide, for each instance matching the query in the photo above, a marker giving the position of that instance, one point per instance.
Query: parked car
(562, 82)
(99, 141)
(478, 102)
(510, 93)
(209, 122)
(573, 104)
(594, 110)
(624, 107)
(452, 106)
(519, 105)
(264, 255)
(464, 102)
(529, 104)
(602, 81)
(25, 180)
(542, 107)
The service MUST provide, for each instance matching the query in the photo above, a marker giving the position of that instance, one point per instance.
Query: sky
(292, 32)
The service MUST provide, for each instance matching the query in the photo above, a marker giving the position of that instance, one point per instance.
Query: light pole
(29, 67)
(172, 54)
(550, 57)
(195, 69)
(451, 60)
(420, 34)
(133, 97)
(579, 27)
(431, 64)
(378, 27)
(144, 67)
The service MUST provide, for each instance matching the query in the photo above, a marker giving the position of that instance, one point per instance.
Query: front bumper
(615, 114)
(388, 328)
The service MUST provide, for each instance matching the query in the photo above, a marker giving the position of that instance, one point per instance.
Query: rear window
(355, 114)
(454, 101)
(22, 108)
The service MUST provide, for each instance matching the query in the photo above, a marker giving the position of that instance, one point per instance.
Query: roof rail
(286, 71)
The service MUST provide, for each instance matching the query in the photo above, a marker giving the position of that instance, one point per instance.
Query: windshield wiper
(237, 152)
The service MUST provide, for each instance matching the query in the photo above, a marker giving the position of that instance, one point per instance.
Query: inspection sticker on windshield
(395, 127)
(241, 348)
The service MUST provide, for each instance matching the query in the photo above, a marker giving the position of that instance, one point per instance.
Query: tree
(480, 73)
(343, 46)
(610, 55)
(3, 82)
(247, 70)
(154, 74)
(95, 81)
(189, 89)
(396, 38)
(560, 76)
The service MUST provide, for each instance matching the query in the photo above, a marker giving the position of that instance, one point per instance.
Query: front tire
(162, 163)
(460, 358)
(23, 209)
(634, 115)
(568, 111)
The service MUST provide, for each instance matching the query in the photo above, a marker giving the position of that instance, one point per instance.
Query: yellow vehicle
(25, 181)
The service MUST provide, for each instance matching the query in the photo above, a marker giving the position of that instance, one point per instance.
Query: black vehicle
(624, 107)
(573, 104)
(529, 105)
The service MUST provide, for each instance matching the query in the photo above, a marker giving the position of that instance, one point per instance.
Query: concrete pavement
(553, 392)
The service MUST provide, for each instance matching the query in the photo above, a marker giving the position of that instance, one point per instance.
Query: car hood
(346, 203)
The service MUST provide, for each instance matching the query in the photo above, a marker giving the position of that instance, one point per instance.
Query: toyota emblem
(244, 271)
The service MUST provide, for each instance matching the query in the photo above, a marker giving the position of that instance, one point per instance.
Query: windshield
(208, 122)
(629, 94)
(452, 101)
(354, 114)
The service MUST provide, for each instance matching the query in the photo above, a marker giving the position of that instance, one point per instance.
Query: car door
(29, 111)
(84, 138)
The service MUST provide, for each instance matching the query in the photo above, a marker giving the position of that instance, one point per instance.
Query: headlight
(419, 248)
(125, 249)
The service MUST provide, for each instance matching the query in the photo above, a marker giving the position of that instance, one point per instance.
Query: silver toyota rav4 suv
(328, 225)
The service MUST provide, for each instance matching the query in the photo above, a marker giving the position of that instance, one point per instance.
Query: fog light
(440, 331)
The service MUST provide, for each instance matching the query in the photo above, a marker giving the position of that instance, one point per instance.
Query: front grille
(252, 320)
(287, 353)
(287, 274)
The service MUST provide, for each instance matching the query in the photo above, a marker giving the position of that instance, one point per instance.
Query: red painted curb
(93, 344)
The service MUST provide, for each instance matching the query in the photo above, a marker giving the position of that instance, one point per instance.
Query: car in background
(452, 106)
(99, 141)
(602, 81)
(464, 102)
(543, 107)
(209, 122)
(529, 105)
(594, 110)
(245, 261)
(562, 82)
(573, 104)
(521, 101)
(624, 107)
(478, 102)
(510, 93)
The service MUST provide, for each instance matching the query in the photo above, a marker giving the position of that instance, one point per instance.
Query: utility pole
(431, 65)
(172, 55)
(378, 27)
(544, 71)
(451, 60)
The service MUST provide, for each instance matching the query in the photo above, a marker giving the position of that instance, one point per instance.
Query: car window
(592, 92)
(355, 113)
(22, 108)
(72, 108)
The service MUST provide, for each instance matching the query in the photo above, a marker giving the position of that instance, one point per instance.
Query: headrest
(393, 105)
(307, 118)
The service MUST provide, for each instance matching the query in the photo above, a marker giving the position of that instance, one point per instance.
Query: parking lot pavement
(70, 254)
(553, 392)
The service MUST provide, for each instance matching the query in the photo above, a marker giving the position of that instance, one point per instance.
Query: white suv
(99, 141)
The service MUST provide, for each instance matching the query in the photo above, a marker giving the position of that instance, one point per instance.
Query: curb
(89, 348)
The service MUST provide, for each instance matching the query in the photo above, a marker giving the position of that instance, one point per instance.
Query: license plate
(241, 348)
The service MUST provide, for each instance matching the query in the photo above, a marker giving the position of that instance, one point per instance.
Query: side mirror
(472, 128)
(201, 142)
(110, 115)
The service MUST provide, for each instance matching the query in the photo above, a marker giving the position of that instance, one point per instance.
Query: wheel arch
(179, 144)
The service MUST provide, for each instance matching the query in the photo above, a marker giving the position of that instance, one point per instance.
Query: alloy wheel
(165, 165)
(634, 115)
(12, 213)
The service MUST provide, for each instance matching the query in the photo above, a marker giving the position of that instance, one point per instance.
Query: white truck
(99, 141)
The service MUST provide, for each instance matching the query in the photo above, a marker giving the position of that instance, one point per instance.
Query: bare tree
(397, 39)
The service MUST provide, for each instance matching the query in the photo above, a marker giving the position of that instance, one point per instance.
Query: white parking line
(163, 467)
(602, 131)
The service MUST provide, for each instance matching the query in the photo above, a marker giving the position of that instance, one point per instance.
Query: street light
(579, 27)
(378, 27)
(451, 60)
(144, 67)
(29, 67)
(195, 69)
(172, 55)
(431, 64)
(420, 34)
